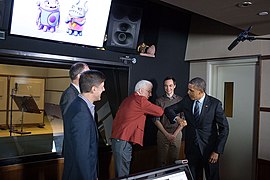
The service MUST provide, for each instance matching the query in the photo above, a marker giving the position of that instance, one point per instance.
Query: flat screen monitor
(81, 22)
(173, 172)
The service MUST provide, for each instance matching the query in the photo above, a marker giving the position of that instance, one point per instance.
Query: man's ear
(93, 89)
(201, 91)
(139, 91)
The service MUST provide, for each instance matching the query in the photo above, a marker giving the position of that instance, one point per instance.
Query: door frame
(212, 77)
(212, 67)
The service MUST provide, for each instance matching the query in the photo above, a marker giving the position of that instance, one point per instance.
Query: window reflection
(46, 85)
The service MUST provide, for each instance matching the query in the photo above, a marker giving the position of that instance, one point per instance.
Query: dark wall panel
(170, 55)
(5, 14)
(2, 11)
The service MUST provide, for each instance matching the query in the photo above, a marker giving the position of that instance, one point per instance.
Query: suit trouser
(122, 153)
(168, 151)
(197, 163)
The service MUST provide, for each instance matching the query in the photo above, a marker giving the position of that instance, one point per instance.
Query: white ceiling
(228, 12)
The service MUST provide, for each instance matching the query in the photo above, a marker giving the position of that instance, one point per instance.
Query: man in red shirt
(128, 125)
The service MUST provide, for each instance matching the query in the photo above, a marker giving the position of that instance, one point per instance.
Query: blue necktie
(196, 111)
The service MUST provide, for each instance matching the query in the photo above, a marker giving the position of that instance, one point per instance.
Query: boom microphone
(241, 37)
(233, 44)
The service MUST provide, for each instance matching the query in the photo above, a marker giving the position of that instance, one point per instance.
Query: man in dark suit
(73, 90)
(206, 131)
(69, 95)
(80, 130)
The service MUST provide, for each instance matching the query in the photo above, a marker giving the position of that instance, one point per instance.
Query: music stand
(25, 104)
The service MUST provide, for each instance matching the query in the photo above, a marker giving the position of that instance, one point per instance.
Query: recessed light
(263, 13)
(244, 4)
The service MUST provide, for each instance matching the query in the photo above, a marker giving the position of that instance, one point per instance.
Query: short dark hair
(90, 78)
(168, 78)
(76, 69)
(199, 83)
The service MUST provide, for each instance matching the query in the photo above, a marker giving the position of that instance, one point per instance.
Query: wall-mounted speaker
(123, 27)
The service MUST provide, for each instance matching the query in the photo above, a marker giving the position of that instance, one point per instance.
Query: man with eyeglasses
(128, 125)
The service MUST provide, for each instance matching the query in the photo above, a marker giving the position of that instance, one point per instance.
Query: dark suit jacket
(81, 142)
(209, 133)
(67, 97)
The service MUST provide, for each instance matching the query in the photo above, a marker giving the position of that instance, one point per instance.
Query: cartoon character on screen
(76, 18)
(48, 15)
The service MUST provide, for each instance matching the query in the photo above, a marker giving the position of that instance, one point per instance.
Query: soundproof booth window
(31, 122)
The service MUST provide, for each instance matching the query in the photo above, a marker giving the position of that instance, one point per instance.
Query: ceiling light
(244, 4)
(263, 13)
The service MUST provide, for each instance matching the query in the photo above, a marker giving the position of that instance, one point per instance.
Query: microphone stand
(243, 38)
(11, 103)
(252, 38)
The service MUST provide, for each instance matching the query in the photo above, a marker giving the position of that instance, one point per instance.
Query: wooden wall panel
(50, 169)
(144, 158)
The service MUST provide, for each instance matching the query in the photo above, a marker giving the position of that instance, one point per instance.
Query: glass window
(30, 117)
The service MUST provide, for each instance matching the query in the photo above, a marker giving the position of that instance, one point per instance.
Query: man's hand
(214, 157)
(170, 137)
(181, 122)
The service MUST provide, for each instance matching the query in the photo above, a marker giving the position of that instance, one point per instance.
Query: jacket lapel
(74, 89)
(92, 118)
(205, 107)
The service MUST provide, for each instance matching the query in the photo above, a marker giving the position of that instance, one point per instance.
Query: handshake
(180, 121)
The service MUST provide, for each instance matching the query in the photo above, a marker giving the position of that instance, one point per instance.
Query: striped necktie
(196, 111)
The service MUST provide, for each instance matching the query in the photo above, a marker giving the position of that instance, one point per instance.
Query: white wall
(210, 39)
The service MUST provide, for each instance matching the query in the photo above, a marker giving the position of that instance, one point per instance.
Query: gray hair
(199, 83)
(142, 84)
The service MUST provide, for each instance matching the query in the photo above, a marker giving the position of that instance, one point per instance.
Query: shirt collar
(77, 87)
(166, 96)
(90, 105)
(202, 99)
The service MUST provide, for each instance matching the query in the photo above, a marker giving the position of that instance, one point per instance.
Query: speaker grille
(124, 26)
